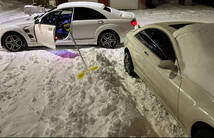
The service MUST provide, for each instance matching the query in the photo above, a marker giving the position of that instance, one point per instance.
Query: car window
(63, 25)
(107, 9)
(65, 15)
(115, 11)
(147, 41)
(51, 18)
(54, 18)
(87, 14)
(163, 43)
(67, 12)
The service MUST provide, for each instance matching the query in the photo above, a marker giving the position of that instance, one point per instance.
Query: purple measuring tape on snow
(64, 53)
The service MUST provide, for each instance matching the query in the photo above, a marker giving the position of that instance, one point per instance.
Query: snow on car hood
(197, 48)
(23, 20)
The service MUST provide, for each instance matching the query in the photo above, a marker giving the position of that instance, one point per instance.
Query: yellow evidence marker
(81, 75)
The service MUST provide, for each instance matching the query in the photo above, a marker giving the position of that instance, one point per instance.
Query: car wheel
(14, 42)
(212, 4)
(108, 39)
(128, 64)
(204, 133)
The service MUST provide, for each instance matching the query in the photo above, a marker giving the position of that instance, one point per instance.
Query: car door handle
(146, 53)
(50, 29)
(100, 22)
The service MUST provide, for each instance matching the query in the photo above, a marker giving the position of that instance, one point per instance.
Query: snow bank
(10, 10)
(174, 12)
(12, 4)
(146, 102)
(40, 95)
(42, 88)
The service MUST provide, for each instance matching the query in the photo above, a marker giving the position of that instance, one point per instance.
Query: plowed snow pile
(174, 12)
(41, 95)
(11, 9)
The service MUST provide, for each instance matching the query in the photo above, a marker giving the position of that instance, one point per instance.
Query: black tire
(108, 39)
(204, 133)
(128, 65)
(212, 4)
(14, 42)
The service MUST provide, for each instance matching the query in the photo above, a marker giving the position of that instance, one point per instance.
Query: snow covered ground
(10, 10)
(41, 95)
(174, 12)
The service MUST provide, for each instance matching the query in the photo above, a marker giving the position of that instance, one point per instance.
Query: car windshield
(38, 16)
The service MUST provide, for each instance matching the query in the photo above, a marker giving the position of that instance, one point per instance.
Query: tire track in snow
(6, 59)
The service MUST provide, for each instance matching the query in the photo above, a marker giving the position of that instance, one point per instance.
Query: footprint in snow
(22, 67)
(106, 110)
(34, 100)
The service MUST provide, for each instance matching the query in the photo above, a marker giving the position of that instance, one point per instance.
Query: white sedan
(177, 61)
(90, 23)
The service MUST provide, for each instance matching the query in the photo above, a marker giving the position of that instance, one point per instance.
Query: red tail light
(56, 37)
(134, 22)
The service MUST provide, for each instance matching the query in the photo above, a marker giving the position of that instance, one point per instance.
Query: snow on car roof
(196, 47)
(193, 28)
(81, 4)
(176, 25)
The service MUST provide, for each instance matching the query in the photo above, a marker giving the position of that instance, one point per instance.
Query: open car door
(45, 35)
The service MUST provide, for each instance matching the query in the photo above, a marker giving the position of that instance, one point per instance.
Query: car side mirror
(36, 17)
(168, 65)
(37, 21)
